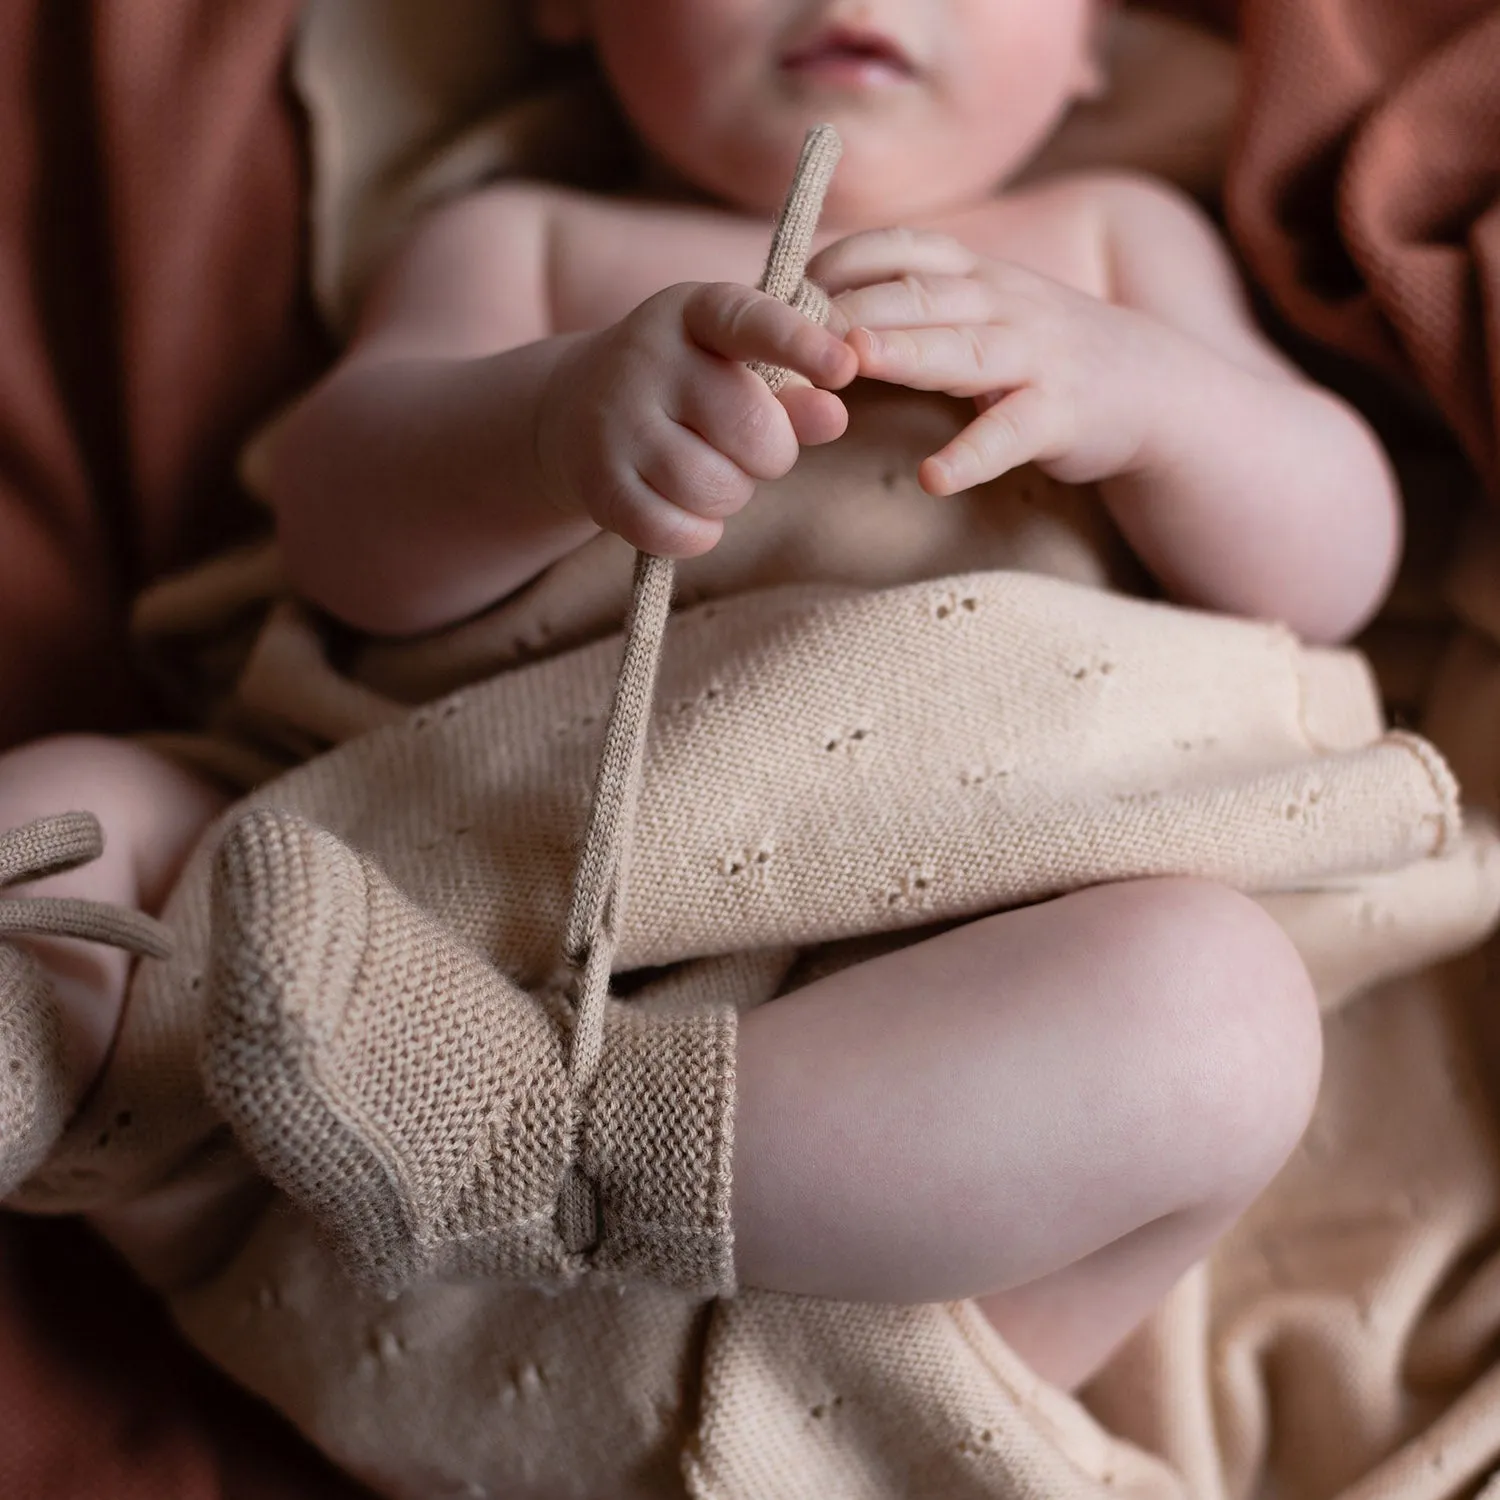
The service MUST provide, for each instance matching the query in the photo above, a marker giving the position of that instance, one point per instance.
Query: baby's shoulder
(1115, 206)
(1079, 227)
(511, 205)
(568, 219)
(1129, 233)
(522, 210)
(525, 201)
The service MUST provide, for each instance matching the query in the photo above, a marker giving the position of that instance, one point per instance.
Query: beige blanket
(953, 744)
(952, 696)
(960, 741)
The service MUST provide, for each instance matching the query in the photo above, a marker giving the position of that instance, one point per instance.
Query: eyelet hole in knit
(742, 862)
(975, 776)
(955, 605)
(847, 740)
(1083, 672)
(710, 694)
(913, 890)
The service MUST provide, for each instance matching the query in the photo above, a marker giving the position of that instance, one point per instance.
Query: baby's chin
(863, 196)
(885, 176)
(858, 200)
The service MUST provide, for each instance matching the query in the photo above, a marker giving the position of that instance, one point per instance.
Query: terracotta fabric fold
(152, 306)
(1365, 189)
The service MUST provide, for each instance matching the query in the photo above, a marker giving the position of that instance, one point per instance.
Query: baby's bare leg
(1060, 1107)
(152, 813)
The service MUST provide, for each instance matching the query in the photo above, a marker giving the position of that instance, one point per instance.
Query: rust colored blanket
(149, 272)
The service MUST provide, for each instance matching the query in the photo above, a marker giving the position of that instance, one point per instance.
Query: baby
(1131, 1062)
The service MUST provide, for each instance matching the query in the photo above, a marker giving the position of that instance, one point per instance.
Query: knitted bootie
(416, 1104)
(33, 1092)
(34, 1100)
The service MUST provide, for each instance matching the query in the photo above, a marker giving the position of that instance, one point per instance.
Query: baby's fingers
(816, 416)
(887, 255)
(740, 324)
(634, 508)
(1026, 426)
(918, 301)
(969, 360)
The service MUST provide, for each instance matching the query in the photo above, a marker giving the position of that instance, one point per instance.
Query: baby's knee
(56, 775)
(151, 810)
(1242, 1026)
(61, 773)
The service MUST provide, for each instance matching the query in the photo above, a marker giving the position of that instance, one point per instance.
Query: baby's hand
(1061, 379)
(657, 429)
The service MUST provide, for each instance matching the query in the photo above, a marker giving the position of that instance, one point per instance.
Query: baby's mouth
(846, 57)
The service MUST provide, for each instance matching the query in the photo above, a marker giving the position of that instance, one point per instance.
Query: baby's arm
(1241, 485)
(463, 444)
(1257, 491)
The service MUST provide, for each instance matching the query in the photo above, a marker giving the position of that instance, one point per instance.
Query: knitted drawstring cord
(597, 910)
(49, 846)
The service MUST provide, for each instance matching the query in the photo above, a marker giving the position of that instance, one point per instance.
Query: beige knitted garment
(826, 762)
(874, 713)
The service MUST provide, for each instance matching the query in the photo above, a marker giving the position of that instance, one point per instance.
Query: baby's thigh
(1107, 1059)
(1173, 1016)
(1194, 1012)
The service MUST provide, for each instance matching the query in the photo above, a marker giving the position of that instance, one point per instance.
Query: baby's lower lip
(848, 70)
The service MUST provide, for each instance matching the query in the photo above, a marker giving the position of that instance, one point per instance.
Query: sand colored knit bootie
(33, 1094)
(416, 1103)
(34, 1100)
